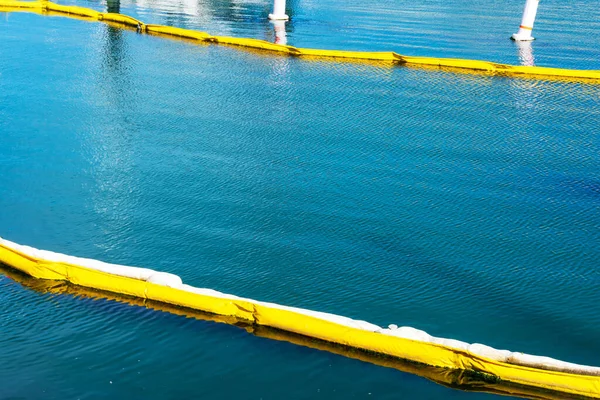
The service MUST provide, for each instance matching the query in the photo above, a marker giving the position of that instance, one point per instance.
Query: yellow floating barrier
(473, 65)
(500, 367)
(458, 379)
(16, 5)
(177, 32)
(350, 55)
(455, 65)
(255, 44)
(121, 19)
(74, 10)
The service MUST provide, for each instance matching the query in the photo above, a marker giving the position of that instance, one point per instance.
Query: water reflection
(231, 17)
(114, 52)
(280, 33)
(109, 137)
(113, 6)
(525, 51)
(207, 10)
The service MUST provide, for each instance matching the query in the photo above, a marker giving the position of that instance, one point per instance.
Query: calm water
(466, 206)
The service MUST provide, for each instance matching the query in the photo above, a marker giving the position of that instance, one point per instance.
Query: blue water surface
(567, 32)
(467, 206)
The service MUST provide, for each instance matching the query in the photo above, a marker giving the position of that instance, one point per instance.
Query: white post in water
(279, 11)
(526, 27)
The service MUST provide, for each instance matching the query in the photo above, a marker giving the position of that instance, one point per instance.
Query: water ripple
(463, 205)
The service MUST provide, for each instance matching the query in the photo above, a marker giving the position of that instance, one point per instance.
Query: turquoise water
(467, 206)
(567, 32)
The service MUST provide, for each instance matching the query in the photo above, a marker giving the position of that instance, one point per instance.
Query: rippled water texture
(567, 32)
(467, 206)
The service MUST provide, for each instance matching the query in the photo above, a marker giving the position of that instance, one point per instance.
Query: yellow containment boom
(457, 379)
(455, 65)
(500, 367)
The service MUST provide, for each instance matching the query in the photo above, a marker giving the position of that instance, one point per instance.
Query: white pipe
(279, 11)
(526, 27)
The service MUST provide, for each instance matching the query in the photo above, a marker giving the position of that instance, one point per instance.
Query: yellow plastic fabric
(455, 65)
(259, 314)
(177, 32)
(74, 10)
(350, 55)
(254, 44)
(121, 19)
(460, 379)
(8, 4)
